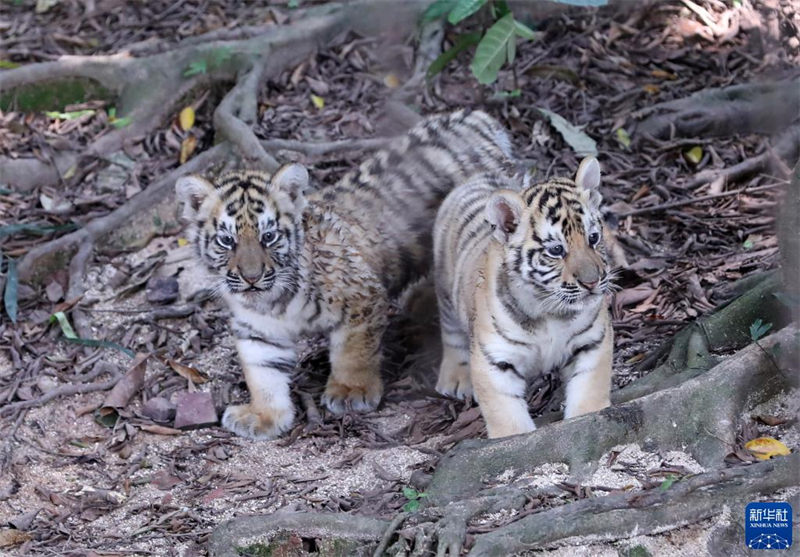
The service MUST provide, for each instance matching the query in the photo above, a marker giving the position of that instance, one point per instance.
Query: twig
(312, 412)
(64, 390)
(674, 204)
(387, 535)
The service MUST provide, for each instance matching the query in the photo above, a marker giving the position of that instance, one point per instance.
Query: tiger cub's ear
(588, 179)
(191, 191)
(293, 180)
(503, 212)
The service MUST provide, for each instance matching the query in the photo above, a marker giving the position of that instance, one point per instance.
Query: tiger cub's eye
(594, 237)
(269, 237)
(226, 241)
(556, 250)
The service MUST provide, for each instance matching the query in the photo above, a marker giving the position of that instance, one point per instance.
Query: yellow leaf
(651, 88)
(661, 74)
(391, 81)
(182, 242)
(623, 137)
(186, 118)
(694, 155)
(188, 146)
(764, 448)
(318, 101)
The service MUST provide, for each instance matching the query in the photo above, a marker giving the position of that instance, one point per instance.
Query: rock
(195, 410)
(46, 383)
(162, 290)
(54, 291)
(159, 409)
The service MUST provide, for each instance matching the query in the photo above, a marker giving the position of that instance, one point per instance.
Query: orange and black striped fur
(290, 264)
(521, 277)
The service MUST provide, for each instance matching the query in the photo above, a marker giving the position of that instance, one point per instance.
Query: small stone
(162, 290)
(159, 409)
(46, 383)
(54, 291)
(195, 410)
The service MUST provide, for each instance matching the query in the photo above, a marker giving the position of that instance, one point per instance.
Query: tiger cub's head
(246, 228)
(552, 235)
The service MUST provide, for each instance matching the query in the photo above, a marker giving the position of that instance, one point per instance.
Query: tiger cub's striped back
(521, 274)
(392, 197)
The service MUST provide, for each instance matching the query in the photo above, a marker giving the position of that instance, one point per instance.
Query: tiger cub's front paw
(260, 424)
(361, 396)
(454, 379)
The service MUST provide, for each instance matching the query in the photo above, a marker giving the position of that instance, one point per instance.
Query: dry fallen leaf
(182, 242)
(188, 145)
(651, 88)
(391, 81)
(187, 372)
(126, 387)
(160, 429)
(10, 537)
(186, 118)
(764, 448)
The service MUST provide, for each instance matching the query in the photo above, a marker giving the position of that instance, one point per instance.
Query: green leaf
(293, 4)
(511, 49)
(581, 143)
(411, 506)
(500, 8)
(623, 137)
(758, 329)
(196, 67)
(102, 344)
(410, 493)
(68, 115)
(438, 9)
(63, 321)
(8, 65)
(10, 300)
(108, 419)
(523, 30)
(493, 50)
(112, 112)
(464, 9)
(668, 481)
(461, 43)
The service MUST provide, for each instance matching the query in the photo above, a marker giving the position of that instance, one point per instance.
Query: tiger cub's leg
(454, 377)
(500, 390)
(355, 354)
(588, 379)
(267, 365)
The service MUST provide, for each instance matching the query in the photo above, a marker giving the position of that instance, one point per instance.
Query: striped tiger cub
(290, 264)
(521, 275)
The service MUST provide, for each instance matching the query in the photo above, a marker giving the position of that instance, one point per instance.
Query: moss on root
(53, 95)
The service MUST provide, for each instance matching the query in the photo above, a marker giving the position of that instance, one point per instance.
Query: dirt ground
(77, 487)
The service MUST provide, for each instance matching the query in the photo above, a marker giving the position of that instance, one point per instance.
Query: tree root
(38, 262)
(724, 330)
(704, 412)
(358, 532)
(786, 148)
(739, 109)
(620, 516)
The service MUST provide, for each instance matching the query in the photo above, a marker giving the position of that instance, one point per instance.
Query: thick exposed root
(621, 516)
(752, 108)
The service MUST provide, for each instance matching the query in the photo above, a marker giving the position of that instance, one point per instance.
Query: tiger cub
(520, 278)
(290, 264)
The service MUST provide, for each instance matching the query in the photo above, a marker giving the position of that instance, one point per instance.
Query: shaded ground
(128, 489)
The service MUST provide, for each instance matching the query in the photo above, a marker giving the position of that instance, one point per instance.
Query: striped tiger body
(290, 264)
(521, 274)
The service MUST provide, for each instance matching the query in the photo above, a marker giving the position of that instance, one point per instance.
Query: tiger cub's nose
(251, 275)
